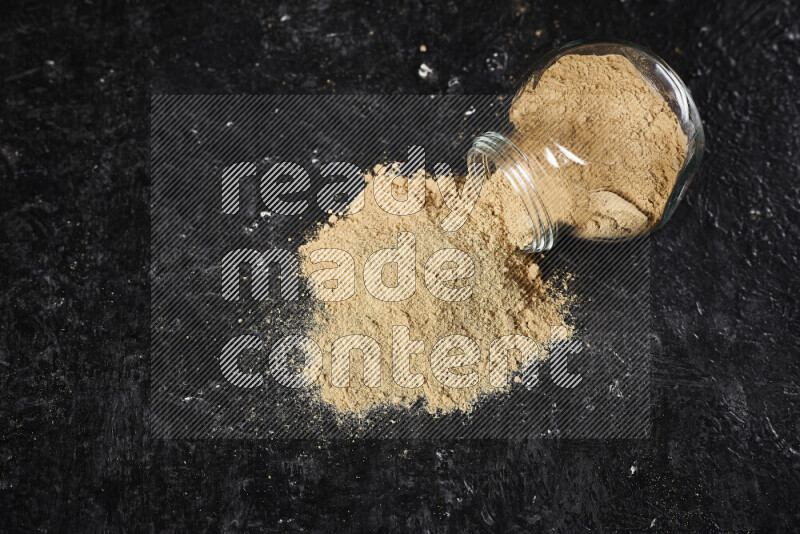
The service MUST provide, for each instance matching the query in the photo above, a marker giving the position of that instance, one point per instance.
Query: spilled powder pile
(508, 297)
(618, 146)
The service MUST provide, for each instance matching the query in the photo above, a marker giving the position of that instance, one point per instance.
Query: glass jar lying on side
(602, 142)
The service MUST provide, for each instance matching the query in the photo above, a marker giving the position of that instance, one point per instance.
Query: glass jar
(601, 147)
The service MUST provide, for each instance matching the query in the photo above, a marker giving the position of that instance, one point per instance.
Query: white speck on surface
(633, 470)
(284, 18)
(424, 71)
(228, 124)
(614, 388)
(497, 61)
(470, 111)
(50, 63)
(653, 523)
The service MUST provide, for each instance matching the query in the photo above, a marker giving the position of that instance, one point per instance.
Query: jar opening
(492, 152)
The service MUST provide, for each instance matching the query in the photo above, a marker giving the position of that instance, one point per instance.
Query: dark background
(75, 451)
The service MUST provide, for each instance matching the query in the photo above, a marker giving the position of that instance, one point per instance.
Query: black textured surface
(75, 453)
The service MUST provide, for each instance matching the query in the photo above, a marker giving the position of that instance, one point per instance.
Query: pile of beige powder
(508, 297)
(595, 102)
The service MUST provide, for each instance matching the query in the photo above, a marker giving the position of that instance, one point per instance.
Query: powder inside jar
(604, 145)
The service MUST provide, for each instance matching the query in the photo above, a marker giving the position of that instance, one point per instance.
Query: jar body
(602, 141)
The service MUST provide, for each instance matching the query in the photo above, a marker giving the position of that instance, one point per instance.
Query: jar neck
(494, 151)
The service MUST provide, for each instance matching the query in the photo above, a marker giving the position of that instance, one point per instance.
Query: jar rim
(493, 148)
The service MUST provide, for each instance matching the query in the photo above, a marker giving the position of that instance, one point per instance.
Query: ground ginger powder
(508, 297)
(627, 147)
